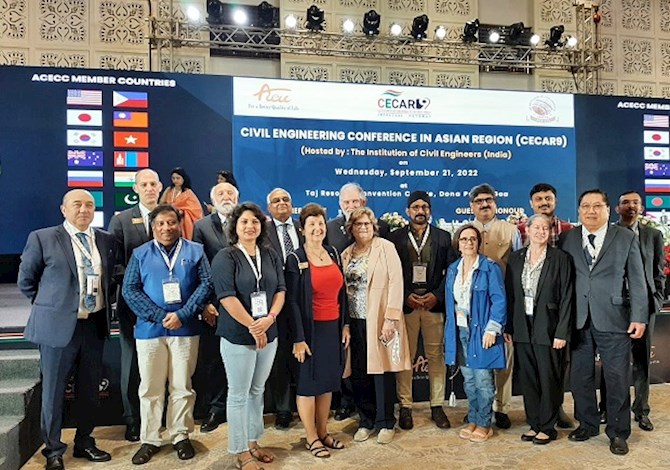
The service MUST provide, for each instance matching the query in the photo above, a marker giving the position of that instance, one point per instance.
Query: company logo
(542, 109)
(270, 98)
(392, 103)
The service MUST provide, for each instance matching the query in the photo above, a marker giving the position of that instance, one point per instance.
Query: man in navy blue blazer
(66, 272)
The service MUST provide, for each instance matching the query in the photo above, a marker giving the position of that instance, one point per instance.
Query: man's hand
(209, 314)
(171, 321)
(508, 338)
(488, 340)
(428, 301)
(559, 343)
(636, 330)
(414, 301)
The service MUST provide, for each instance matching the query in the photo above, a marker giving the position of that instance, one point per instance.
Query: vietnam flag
(131, 119)
(131, 159)
(131, 139)
(130, 99)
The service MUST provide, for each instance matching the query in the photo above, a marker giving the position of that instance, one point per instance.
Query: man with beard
(425, 252)
(209, 380)
(651, 245)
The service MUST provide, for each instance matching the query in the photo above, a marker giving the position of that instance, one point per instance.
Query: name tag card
(259, 304)
(529, 304)
(461, 317)
(92, 284)
(171, 292)
(419, 273)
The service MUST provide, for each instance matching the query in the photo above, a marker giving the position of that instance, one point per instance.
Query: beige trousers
(503, 378)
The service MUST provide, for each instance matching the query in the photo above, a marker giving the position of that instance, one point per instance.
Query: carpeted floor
(423, 448)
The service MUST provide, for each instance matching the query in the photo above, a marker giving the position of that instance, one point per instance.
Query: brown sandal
(240, 464)
(261, 454)
(481, 434)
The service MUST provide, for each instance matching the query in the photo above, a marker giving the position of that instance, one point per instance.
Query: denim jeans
(479, 387)
(247, 370)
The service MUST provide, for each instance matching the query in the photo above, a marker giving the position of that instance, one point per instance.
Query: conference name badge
(419, 273)
(461, 317)
(171, 291)
(137, 220)
(304, 265)
(259, 304)
(528, 303)
(92, 284)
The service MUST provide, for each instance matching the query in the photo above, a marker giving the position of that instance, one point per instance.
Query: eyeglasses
(480, 202)
(465, 240)
(277, 200)
(362, 224)
(422, 207)
(596, 207)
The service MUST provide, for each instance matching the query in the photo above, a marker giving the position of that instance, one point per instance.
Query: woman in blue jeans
(475, 319)
(248, 279)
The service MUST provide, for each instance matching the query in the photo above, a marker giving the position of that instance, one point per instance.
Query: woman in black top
(249, 283)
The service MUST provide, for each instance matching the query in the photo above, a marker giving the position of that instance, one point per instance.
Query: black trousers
(130, 373)
(83, 356)
(614, 349)
(540, 370)
(374, 394)
(209, 379)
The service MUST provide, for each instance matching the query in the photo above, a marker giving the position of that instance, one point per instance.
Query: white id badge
(259, 304)
(461, 317)
(92, 284)
(419, 273)
(528, 303)
(171, 292)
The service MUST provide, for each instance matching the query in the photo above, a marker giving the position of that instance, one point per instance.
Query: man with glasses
(499, 239)
(612, 308)
(425, 253)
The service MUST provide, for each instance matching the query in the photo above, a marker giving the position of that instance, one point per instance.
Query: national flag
(656, 137)
(656, 153)
(131, 119)
(130, 99)
(125, 199)
(131, 159)
(84, 117)
(656, 169)
(131, 139)
(124, 179)
(656, 120)
(79, 158)
(98, 219)
(657, 186)
(657, 202)
(76, 137)
(97, 198)
(84, 97)
(78, 179)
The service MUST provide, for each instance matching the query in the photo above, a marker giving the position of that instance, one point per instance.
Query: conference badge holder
(92, 284)
(419, 273)
(171, 291)
(529, 303)
(259, 304)
(461, 317)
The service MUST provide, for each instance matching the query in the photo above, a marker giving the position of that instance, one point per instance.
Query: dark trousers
(614, 349)
(540, 370)
(641, 349)
(374, 394)
(130, 373)
(209, 380)
(83, 355)
(281, 375)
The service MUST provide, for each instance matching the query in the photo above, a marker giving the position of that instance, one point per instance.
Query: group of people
(337, 306)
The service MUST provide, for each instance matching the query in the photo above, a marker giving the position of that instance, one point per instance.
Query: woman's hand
(389, 327)
(209, 314)
(261, 325)
(346, 336)
(261, 341)
(300, 350)
(489, 339)
(508, 338)
(559, 343)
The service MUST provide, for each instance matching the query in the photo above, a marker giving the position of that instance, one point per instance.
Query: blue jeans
(247, 370)
(479, 386)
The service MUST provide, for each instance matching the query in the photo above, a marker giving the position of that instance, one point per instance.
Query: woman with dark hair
(319, 326)
(473, 333)
(180, 195)
(248, 280)
(225, 176)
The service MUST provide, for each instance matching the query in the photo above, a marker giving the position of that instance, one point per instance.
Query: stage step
(9, 442)
(20, 364)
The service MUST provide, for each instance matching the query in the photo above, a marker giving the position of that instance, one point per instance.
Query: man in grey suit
(131, 229)
(284, 237)
(209, 380)
(611, 302)
(66, 272)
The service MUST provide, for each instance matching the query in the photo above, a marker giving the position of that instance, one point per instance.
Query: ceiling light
(396, 29)
(371, 22)
(471, 31)
(555, 33)
(440, 33)
(240, 17)
(291, 22)
(571, 42)
(214, 12)
(268, 16)
(534, 40)
(348, 26)
(494, 36)
(419, 27)
(515, 33)
(315, 19)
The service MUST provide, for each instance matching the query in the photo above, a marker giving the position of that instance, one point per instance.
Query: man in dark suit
(425, 252)
(131, 229)
(651, 245)
(284, 237)
(66, 272)
(612, 308)
(209, 380)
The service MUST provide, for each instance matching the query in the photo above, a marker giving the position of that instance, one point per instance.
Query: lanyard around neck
(417, 248)
(170, 262)
(258, 274)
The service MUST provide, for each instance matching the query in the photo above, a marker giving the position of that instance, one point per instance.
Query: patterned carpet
(424, 447)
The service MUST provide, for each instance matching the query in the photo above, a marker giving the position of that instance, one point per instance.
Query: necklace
(358, 253)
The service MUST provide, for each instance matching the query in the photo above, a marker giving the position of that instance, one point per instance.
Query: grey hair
(534, 217)
(352, 185)
(267, 198)
(211, 191)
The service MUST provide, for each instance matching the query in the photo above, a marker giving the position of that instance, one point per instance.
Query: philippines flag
(78, 179)
(657, 186)
(131, 159)
(84, 158)
(657, 202)
(80, 137)
(84, 97)
(131, 139)
(131, 119)
(124, 179)
(656, 120)
(656, 137)
(130, 99)
(657, 153)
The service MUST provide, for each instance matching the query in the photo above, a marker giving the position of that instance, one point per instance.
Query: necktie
(288, 244)
(592, 239)
(89, 299)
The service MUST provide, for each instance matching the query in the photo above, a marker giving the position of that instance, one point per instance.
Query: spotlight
(214, 12)
(471, 31)
(291, 22)
(534, 40)
(348, 26)
(240, 17)
(555, 33)
(571, 42)
(268, 16)
(440, 33)
(515, 33)
(396, 29)
(494, 36)
(193, 14)
(371, 21)
(315, 19)
(419, 27)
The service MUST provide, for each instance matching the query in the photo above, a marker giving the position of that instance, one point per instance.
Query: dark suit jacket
(48, 277)
(338, 237)
(554, 299)
(273, 239)
(651, 246)
(209, 231)
(614, 293)
(442, 255)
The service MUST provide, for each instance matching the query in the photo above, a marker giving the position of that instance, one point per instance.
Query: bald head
(78, 208)
(148, 187)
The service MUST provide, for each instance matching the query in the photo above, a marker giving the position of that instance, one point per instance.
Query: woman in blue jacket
(475, 320)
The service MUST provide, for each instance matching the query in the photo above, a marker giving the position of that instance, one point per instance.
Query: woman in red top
(319, 326)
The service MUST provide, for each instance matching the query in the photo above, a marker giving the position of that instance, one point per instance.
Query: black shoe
(618, 446)
(546, 440)
(55, 463)
(405, 420)
(92, 454)
(132, 432)
(645, 423)
(343, 413)
(603, 417)
(564, 420)
(283, 420)
(502, 420)
(438, 416)
(581, 434)
(185, 450)
(144, 454)
(465, 419)
(212, 422)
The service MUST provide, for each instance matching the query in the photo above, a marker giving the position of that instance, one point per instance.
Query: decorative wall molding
(407, 77)
(640, 90)
(123, 23)
(13, 57)
(354, 74)
(13, 19)
(115, 61)
(64, 21)
(63, 59)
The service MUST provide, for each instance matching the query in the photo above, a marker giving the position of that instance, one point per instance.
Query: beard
(225, 208)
